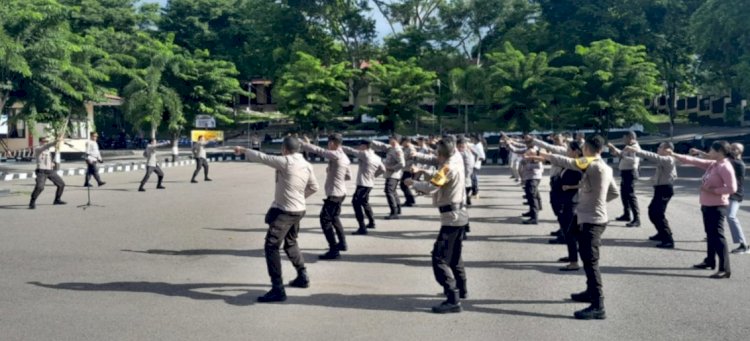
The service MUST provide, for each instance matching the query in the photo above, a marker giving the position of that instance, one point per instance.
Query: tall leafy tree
(613, 82)
(471, 88)
(311, 92)
(401, 86)
(721, 32)
(525, 86)
(149, 99)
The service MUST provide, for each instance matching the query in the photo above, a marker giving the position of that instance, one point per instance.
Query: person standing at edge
(337, 173)
(569, 182)
(295, 182)
(45, 170)
(628, 166)
(199, 152)
(93, 156)
(478, 148)
(556, 191)
(666, 174)
(151, 165)
(469, 160)
(408, 148)
(447, 187)
(370, 167)
(718, 183)
(596, 189)
(738, 236)
(394, 165)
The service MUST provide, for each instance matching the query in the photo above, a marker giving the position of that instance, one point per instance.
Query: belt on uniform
(450, 208)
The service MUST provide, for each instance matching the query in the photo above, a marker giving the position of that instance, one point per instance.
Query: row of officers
(45, 166)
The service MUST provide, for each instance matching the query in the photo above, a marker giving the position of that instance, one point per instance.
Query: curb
(118, 167)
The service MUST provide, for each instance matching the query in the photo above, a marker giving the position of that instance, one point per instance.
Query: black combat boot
(581, 297)
(277, 294)
(302, 281)
(333, 253)
(451, 305)
(594, 312)
(362, 230)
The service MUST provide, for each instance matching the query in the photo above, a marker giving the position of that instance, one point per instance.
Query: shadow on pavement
(215, 291)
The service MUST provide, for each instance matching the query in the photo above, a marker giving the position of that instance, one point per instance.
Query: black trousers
(589, 241)
(361, 204)
(283, 227)
(713, 223)
(475, 182)
(41, 178)
(330, 221)
(150, 170)
(447, 263)
(391, 195)
(201, 163)
(657, 211)
(531, 188)
(92, 170)
(554, 196)
(468, 195)
(627, 194)
(570, 229)
(408, 195)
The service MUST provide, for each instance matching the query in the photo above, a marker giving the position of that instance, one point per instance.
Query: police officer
(556, 192)
(93, 156)
(370, 167)
(407, 147)
(394, 165)
(151, 165)
(45, 170)
(295, 181)
(596, 189)
(477, 146)
(469, 160)
(337, 173)
(199, 153)
(628, 166)
(666, 174)
(447, 187)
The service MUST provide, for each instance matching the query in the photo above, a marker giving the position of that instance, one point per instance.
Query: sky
(381, 25)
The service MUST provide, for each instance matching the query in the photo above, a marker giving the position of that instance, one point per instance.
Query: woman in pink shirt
(718, 183)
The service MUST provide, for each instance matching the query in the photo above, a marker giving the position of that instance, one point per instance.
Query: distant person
(629, 163)
(394, 165)
(45, 169)
(738, 236)
(152, 166)
(295, 182)
(408, 148)
(199, 153)
(93, 156)
(370, 167)
(478, 147)
(337, 173)
(717, 184)
(663, 180)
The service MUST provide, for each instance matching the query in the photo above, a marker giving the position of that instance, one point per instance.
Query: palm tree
(525, 86)
(149, 101)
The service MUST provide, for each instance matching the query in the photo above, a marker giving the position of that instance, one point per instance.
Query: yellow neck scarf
(584, 162)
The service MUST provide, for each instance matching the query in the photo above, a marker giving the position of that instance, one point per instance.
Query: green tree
(312, 93)
(525, 86)
(723, 46)
(401, 87)
(470, 87)
(148, 97)
(672, 47)
(613, 81)
(45, 66)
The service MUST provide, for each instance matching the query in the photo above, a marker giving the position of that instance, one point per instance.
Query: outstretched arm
(328, 154)
(276, 162)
